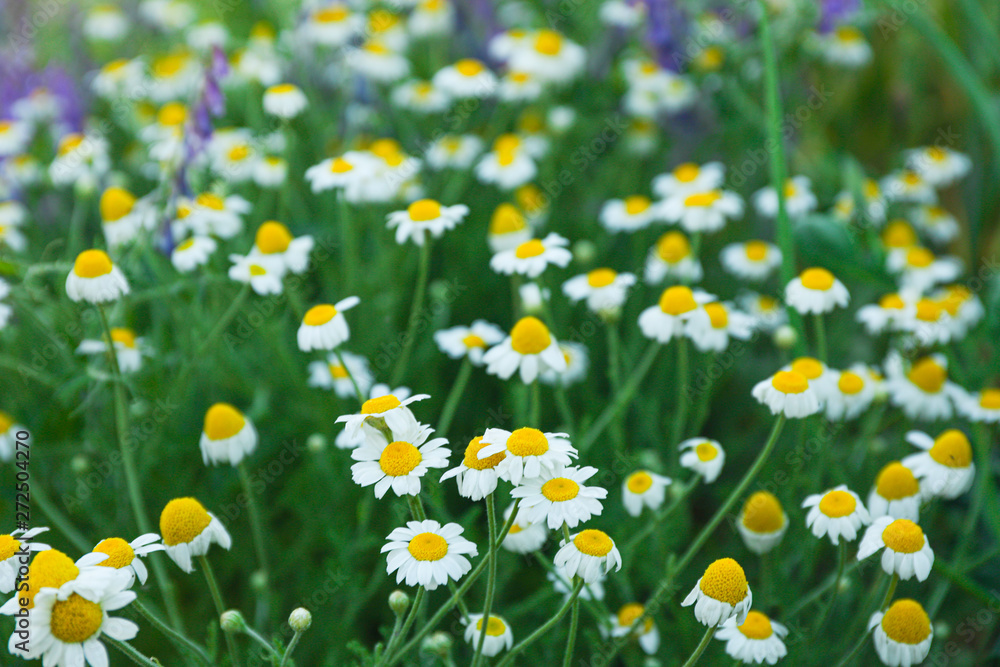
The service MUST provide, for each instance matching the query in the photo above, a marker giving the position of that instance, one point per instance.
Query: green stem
(659, 518)
(615, 377)
(536, 404)
(820, 327)
(841, 562)
(565, 411)
(57, 518)
(130, 652)
(545, 627)
(864, 635)
(220, 607)
(179, 639)
(405, 628)
(257, 530)
(702, 645)
(291, 647)
(349, 238)
(574, 623)
(423, 271)
(680, 416)
(454, 396)
(491, 580)
(254, 635)
(350, 376)
(889, 592)
(622, 399)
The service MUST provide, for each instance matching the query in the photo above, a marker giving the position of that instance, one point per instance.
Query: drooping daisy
(285, 100)
(836, 513)
(332, 374)
(378, 62)
(384, 409)
(262, 273)
(508, 228)
(529, 453)
(577, 364)
(908, 187)
(125, 556)
(228, 436)
(524, 537)
(562, 583)
(902, 634)
(851, 394)
(498, 635)
(530, 348)
(940, 166)
(962, 305)
(324, 327)
(885, 315)
(647, 634)
(872, 212)
(671, 257)
(845, 46)
(720, 594)
(399, 464)
(643, 488)
(982, 406)
(211, 215)
(270, 172)
(928, 324)
(425, 218)
(431, 18)
(14, 137)
(816, 290)
(469, 342)
(667, 319)
(127, 347)
(273, 240)
(590, 554)
(906, 550)
(549, 56)
(924, 391)
(332, 25)
(788, 393)
(751, 260)
(188, 529)
(702, 211)
(604, 289)
(95, 278)
(508, 165)
(896, 493)
(629, 214)
(344, 172)
(688, 179)
(940, 225)
(559, 496)
(711, 325)
(81, 161)
(425, 553)
(465, 79)
(12, 549)
(519, 87)
(703, 456)
(946, 468)
(192, 253)
(121, 217)
(756, 640)
(476, 478)
(762, 522)
(454, 151)
(799, 198)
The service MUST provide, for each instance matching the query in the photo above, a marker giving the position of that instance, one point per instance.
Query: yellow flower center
(628, 615)
(116, 203)
(8, 547)
(706, 451)
(340, 166)
(125, 337)
(389, 150)
(790, 190)
(423, 210)
(49, 569)
(789, 382)
(378, 48)
(548, 42)
(209, 200)
(119, 552)
(272, 237)
(223, 421)
(262, 30)
(519, 77)
(169, 65)
(871, 190)
(928, 375)
(952, 449)
(428, 547)
(338, 372)
(687, 172)
(929, 311)
(472, 459)
(757, 626)
(515, 529)
(702, 199)
(817, 279)
(282, 89)
(725, 581)
(472, 340)
(919, 258)
(469, 67)
(673, 247)
(182, 520)
(530, 198)
(69, 142)
(849, 34)
(334, 14)
(677, 300)
(560, 489)
(601, 277)
(532, 248)
(911, 178)
(836, 504)
(75, 619)
(717, 315)
(756, 251)
(906, 622)
(762, 513)
(399, 458)
(531, 122)
(527, 442)
(989, 399)
(899, 234)
(506, 219)
(639, 482)
(6, 421)
(636, 204)
(379, 405)
(5, 126)
(319, 315)
(808, 367)
(494, 627)
(381, 20)
(891, 302)
(172, 114)
(903, 536)
(530, 336)
(896, 481)
(239, 152)
(850, 383)
(92, 264)
(593, 543)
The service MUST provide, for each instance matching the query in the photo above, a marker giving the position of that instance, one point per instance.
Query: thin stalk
(254, 635)
(350, 376)
(615, 377)
(404, 629)
(841, 562)
(659, 518)
(179, 639)
(680, 415)
(536, 404)
(41, 499)
(702, 645)
(820, 327)
(490, 581)
(565, 411)
(220, 607)
(622, 399)
(257, 530)
(454, 396)
(889, 592)
(864, 636)
(423, 271)
(130, 652)
(544, 628)
(291, 647)
(349, 238)
(574, 624)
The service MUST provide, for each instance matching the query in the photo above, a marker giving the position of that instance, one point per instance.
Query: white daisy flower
(711, 325)
(923, 392)
(324, 327)
(262, 273)
(388, 408)
(980, 407)
(188, 529)
(427, 554)
(332, 374)
(945, 468)
(851, 394)
(12, 549)
(388, 27)
(524, 537)
(174, 76)
(423, 218)
(81, 161)
(928, 323)
(756, 640)
(906, 550)
(508, 165)
(605, 290)
(962, 305)
(629, 214)
(590, 554)
(896, 493)
(503, 44)
(562, 583)
(431, 18)
(788, 393)
(919, 269)
(128, 349)
(15, 136)
(530, 348)
(751, 260)
(671, 257)
(799, 199)
(939, 166)
(816, 290)
(95, 278)
(622, 14)
(703, 456)
(454, 151)
(821, 379)
(399, 464)
(549, 56)
(420, 96)
(643, 488)
(273, 240)
(762, 522)
(123, 217)
(465, 79)
(534, 298)
(874, 210)
(206, 35)
(167, 14)
(345, 172)
(689, 179)
(668, 318)
(559, 496)
(720, 594)
(51, 569)
(519, 87)
(702, 211)
(939, 225)
(888, 314)
(378, 62)
(836, 513)
(908, 187)
(508, 229)
(469, 342)
(8, 436)
(477, 478)
(192, 253)
(498, 635)
(530, 453)
(577, 364)
(902, 634)
(285, 100)
(125, 556)
(13, 238)
(211, 215)
(647, 634)
(332, 25)
(228, 436)
(270, 172)
(845, 46)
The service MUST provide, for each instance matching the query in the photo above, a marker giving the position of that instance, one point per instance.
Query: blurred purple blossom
(667, 28)
(835, 12)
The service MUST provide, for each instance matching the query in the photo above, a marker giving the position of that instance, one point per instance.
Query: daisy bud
(585, 251)
(438, 643)
(80, 464)
(785, 337)
(316, 443)
(399, 602)
(258, 581)
(300, 619)
(232, 621)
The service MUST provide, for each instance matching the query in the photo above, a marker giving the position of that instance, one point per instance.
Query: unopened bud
(584, 251)
(258, 581)
(316, 442)
(300, 619)
(80, 464)
(785, 337)
(232, 621)
(399, 602)
(438, 643)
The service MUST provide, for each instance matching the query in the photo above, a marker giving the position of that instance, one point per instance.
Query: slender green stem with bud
(454, 396)
(624, 397)
(544, 628)
(220, 607)
(130, 652)
(257, 530)
(490, 581)
(291, 647)
(423, 272)
(180, 640)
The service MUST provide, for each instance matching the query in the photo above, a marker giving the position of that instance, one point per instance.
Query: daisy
(928, 323)
(127, 348)
(629, 214)
(703, 456)
(937, 165)
(896, 493)
(465, 79)
(498, 635)
(188, 529)
(688, 179)
(52, 569)
(711, 325)
(469, 342)
(124, 555)
(270, 172)
(577, 363)
(887, 314)
(211, 215)
(192, 253)
(945, 468)
(845, 46)
(530, 453)
(671, 256)
(95, 279)
(423, 218)
(874, 210)
(508, 229)
(324, 327)
(850, 394)
(762, 522)
(622, 14)
(332, 25)
(174, 76)
(398, 464)
(385, 409)
(503, 44)
(647, 634)
(940, 225)
(13, 238)
(228, 436)
(262, 273)
(919, 269)
(667, 319)
(524, 537)
(285, 100)
(14, 137)
(559, 496)
(427, 554)
(605, 290)
(562, 583)
(12, 549)
(836, 513)
(167, 14)
(8, 436)
(549, 56)
(274, 240)
(787, 393)
(431, 18)
(534, 298)
(454, 151)
(206, 35)
(519, 87)
(907, 552)
(902, 634)
(508, 164)
(81, 161)
(336, 375)
(799, 199)
(122, 217)
(908, 187)
(816, 290)
(924, 391)
(962, 305)
(378, 62)
(388, 27)
(422, 97)
(590, 555)
(702, 211)
(530, 348)
(477, 478)
(981, 407)
(756, 640)
(345, 172)
(720, 594)
(751, 260)
(644, 489)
